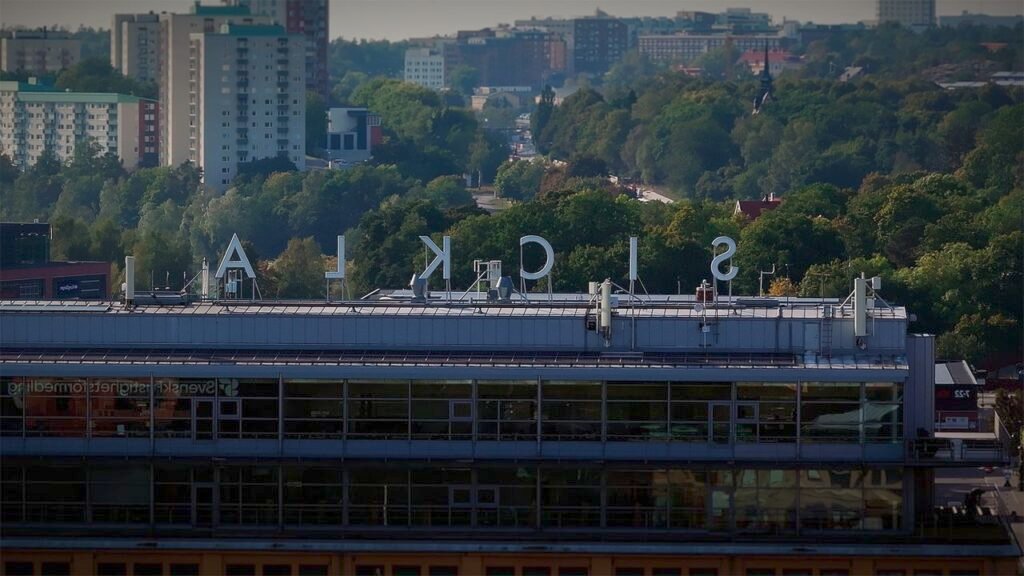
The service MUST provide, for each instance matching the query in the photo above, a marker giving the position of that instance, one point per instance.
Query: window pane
(55, 569)
(148, 569)
(111, 569)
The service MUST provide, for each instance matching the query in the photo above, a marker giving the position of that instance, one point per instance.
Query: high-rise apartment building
(174, 76)
(599, 42)
(38, 51)
(309, 18)
(36, 119)
(915, 15)
(247, 99)
(135, 46)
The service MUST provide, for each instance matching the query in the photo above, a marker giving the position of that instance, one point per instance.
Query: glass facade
(485, 497)
(453, 410)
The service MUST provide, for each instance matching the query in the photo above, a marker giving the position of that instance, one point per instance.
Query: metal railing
(954, 450)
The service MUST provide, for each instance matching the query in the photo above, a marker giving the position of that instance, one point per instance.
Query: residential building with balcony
(531, 435)
(135, 46)
(39, 51)
(35, 119)
(310, 18)
(174, 73)
(247, 99)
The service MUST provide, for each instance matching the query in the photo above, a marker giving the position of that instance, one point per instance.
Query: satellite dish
(698, 308)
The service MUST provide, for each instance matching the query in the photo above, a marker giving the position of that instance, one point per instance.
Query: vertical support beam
(344, 497)
(408, 409)
(475, 391)
(152, 415)
(152, 497)
(88, 411)
(344, 416)
(537, 504)
(280, 497)
(540, 410)
(604, 415)
(280, 415)
(799, 420)
(604, 498)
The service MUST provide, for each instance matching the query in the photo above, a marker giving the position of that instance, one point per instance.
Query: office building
(309, 18)
(425, 66)
(686, 48)
(28, 273)
(38, 52)
(351, 135)
(485, 434)
(35, 119)
(247, 99)
(914, 15)
(135, 46)
(174, 80)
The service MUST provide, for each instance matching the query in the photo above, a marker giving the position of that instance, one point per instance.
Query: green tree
(519, 179)
(299, 271)
(541, 117)
(463, 79)
(316, 124)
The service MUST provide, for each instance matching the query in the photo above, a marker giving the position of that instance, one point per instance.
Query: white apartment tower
(135, 46)
(247, 99)
(174, 76)
(425, 66)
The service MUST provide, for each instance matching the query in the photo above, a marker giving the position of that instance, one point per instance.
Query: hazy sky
(398, 19)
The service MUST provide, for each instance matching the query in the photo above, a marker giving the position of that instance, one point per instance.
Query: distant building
(851, 72)
(35, 119)
(956, 397)
(508, 57)
(599, 42)
(27, 273)
(306, 17)
(135, 47)
(914, 15)
(39, 51)
(351, 135)
(966, 18)
(752, 209)
(688, 47)
(425, 66)
(249, 97)
(778, 61)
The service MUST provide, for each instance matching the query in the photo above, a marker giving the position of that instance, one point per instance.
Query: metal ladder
(825, 331)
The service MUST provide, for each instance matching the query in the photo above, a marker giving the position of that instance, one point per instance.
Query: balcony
(957, 451)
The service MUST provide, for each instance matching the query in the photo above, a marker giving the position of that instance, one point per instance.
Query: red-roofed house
(751, 209)
(778, 61)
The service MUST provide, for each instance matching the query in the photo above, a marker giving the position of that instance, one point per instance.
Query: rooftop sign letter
(339, 274)
(234, 257)
(549, 257)
(716, 263)
(441, 256)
